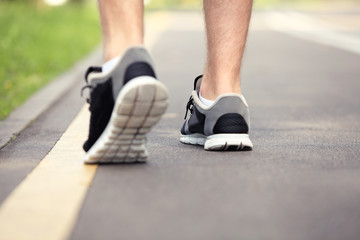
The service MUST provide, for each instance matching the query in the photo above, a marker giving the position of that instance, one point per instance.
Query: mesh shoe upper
(229, 114)
(101, 106)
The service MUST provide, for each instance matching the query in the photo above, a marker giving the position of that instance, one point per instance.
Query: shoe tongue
(197, 83)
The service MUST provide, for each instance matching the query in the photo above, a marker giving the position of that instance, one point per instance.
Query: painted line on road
(312, 29)
(45, 205)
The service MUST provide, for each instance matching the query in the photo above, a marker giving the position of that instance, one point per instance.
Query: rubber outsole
(219, 142)
(138, 107)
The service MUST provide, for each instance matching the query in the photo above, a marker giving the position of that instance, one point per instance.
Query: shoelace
(189, 106)
(89, 70)
(82, 90)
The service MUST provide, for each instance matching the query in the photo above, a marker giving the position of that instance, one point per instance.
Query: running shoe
(125, 104)
(223, 126)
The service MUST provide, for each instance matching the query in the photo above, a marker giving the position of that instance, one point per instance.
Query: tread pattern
(136, 112)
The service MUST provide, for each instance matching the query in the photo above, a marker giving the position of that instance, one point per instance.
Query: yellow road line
(46, 203)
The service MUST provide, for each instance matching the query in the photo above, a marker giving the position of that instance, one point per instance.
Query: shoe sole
(138, 107)
(219, 142)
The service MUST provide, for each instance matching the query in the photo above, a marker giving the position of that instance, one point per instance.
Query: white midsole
(217, 140)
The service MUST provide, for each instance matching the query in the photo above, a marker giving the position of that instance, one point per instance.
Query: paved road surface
(301, 181)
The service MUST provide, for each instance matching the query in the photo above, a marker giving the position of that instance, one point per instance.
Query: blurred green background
(39, 41)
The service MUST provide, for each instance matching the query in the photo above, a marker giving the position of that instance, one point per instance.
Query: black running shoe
(124, 104)
(224, 125)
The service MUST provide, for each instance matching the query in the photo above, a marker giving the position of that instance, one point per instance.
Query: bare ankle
(211, 88)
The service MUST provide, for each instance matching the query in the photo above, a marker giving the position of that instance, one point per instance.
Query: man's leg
(122, 25)
(223, 124)
(227, 25)
(126, 100)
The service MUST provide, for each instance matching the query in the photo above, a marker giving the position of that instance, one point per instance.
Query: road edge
(40, 101)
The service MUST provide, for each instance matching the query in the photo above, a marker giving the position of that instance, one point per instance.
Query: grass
(37, 43)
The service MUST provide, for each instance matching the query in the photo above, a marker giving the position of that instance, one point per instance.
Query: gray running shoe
(223, 126)
(124, 104)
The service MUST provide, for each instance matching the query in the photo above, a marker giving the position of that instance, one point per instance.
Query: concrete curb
(24, 115)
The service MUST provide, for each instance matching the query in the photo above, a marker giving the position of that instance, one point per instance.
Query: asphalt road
(301, 181)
